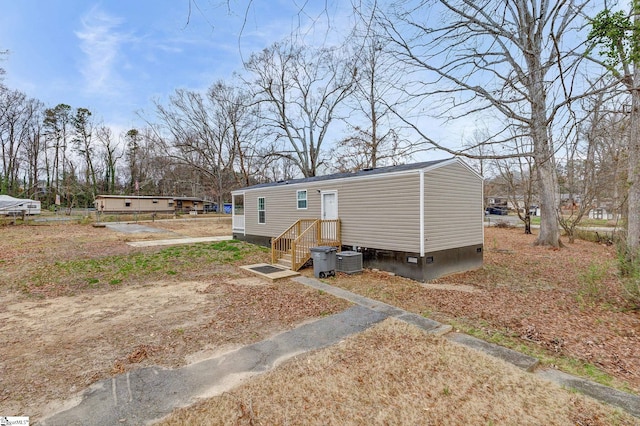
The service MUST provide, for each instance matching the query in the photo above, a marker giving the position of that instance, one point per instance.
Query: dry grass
(394, 373)
(88, 332)
(545, 301)
(207, 226)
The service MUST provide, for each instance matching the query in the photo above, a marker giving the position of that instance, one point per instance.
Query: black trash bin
(324, 261)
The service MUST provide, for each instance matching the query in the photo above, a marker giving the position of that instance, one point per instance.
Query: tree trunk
(527, 222)
(633, 200)
(544, 160)
(549, 231)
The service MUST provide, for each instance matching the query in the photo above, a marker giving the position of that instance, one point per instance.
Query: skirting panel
(432, 265)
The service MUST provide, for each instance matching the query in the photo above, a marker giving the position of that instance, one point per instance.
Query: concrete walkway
(176, 241)
(148, 394)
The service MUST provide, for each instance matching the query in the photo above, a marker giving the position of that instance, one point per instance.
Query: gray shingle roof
(364, 172)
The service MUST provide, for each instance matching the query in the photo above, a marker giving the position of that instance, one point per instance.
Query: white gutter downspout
(421, 213)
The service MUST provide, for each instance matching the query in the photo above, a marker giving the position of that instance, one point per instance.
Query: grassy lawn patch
(70, 276)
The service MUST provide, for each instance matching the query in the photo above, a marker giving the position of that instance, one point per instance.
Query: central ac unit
(349, 262)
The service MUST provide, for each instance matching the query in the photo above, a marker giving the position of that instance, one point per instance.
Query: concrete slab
(278, 275)
(351, 297)
(523, 361)
(433, 327)
(134, 228)
(177, 241)
(148, 394)
(626, 401)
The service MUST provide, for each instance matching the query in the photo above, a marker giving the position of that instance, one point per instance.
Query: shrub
(503, 224)
(629, 267)
(592, 285)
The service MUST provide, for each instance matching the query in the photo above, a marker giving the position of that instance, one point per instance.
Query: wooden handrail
(282, 243)
(300, 237)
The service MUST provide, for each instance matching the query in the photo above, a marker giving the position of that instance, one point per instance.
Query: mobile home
(133, 204)
(10, 206)
(421, 220)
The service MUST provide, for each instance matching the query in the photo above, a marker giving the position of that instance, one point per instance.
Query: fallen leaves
(531, 293)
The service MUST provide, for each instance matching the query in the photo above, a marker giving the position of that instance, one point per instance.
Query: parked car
(497, 211)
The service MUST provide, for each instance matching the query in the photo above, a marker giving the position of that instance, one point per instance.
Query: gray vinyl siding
(281, 207)
(453, 208)
(380, 212)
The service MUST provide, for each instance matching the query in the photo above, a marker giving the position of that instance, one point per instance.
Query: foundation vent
(349, 262)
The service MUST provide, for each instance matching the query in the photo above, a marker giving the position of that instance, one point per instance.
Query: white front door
(329, 205)
(237, 213)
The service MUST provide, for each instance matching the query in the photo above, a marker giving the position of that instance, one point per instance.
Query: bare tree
(580, 180)
(500, 58)
(16, 113)
(300, 89)
(57, 132)
(236, 107)
(374, 137)
(198, 134)
(83, 143)
(519, 177)
(110, 155)
(611, 135)
(34, 148)
(618, 33)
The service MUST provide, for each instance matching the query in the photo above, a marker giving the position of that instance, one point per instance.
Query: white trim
(306, 199)
(422, 236)
(264, 205)
(482, 214)
(233, 213)
(322, 193)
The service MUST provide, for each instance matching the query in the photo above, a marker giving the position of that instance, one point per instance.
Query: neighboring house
(10, 205)
(603, 213)
(496, 201)
(134, 204)
(604, 209)
(189, 204)
(148, 204)
(419, 220)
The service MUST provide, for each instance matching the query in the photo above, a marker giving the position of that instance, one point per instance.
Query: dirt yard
(64, 326)
(80, 305)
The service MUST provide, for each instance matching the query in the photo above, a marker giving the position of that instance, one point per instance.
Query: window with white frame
(262, 214)
(302, 199)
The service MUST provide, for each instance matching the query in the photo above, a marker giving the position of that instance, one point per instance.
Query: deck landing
(273, 272)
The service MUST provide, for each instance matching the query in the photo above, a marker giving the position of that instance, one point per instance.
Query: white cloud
(101, 43)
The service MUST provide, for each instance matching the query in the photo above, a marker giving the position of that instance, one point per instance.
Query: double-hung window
(262, 213)
(302, 199)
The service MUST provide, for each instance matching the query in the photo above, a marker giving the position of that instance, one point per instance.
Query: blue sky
(114, 57)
